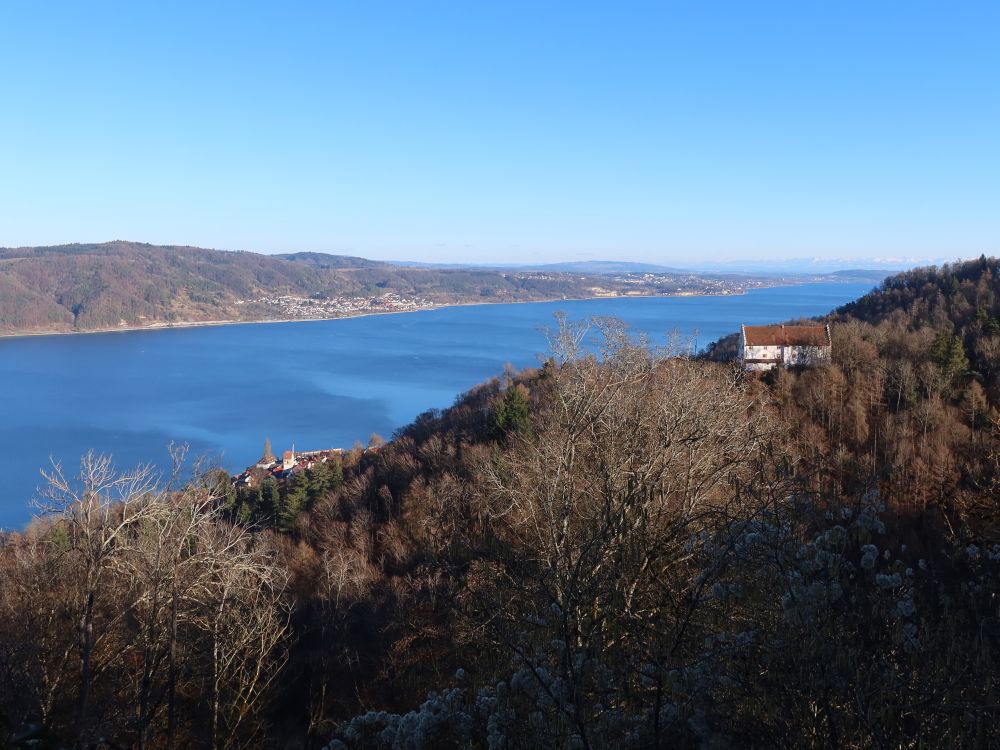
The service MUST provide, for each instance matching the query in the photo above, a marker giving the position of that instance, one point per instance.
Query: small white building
(766, 347)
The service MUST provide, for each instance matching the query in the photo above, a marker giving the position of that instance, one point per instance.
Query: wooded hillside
(622, 548)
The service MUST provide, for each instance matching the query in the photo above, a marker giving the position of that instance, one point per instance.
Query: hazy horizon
(762, 264)
(517, 133)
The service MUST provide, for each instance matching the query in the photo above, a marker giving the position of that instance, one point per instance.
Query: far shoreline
(220, 323)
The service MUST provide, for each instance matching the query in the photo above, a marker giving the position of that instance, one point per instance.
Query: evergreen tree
(295, 501)
(271, 503)
(244, 514)
(512, 415)
(948, 353)
(322, 478)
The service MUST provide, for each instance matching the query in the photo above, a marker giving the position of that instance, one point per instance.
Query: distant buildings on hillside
(289, 306)
(292, 464)
(766, 347)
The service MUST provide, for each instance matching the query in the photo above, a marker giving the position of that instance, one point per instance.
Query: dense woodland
(129, 284)
(626, 547)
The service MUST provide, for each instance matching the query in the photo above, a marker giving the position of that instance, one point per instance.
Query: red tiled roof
(786, 335)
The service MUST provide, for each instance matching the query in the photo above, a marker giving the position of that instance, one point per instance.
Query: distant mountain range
(782, 269)
(117, 285)
(779, 269)
(884, 265)
(601, 267)
(608, 267)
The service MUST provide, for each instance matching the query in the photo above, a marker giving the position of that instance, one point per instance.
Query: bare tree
(99, 508)
(213, 594)
(171, 607)
(245, 616)
(636, 454)
(37, 651)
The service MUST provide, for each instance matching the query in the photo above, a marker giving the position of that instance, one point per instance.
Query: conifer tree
(949, 354)
(271, 504)
(512, 414)
(295, 500)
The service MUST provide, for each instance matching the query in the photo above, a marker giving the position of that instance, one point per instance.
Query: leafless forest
(626, 547)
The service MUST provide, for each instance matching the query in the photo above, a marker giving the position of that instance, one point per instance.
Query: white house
(766, 347)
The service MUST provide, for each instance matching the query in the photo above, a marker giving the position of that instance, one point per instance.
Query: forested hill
(964, 296)
(962, 299)
(119, 284)
(911, 401)
(952, 312)
(93, 286)
(128, 284)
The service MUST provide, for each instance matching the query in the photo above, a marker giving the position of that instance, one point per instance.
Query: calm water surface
(316, 384)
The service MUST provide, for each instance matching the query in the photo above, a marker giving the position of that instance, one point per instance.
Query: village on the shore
(289, 306)
(291, 464)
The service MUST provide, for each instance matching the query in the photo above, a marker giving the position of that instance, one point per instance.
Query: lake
(314, 384)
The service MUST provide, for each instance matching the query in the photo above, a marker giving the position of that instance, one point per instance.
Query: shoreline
(220, 323)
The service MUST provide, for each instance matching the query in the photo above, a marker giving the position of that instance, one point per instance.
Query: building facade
(766, 347)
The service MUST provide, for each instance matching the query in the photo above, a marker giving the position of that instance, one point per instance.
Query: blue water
(316, 384)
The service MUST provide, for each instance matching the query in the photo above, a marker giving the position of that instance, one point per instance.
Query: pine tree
(295, 501)
(512, 414)
(323, 477)
(271, 503)
(948, 353)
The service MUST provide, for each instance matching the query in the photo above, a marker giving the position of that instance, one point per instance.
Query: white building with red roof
(766, 347)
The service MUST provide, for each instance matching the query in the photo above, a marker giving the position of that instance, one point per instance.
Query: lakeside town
(288, 306)
(291, 306)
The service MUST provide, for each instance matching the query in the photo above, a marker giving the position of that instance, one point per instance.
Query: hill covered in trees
(626, 547)
(127, 284)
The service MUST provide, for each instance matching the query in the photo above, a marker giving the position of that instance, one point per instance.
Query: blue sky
(489, 131)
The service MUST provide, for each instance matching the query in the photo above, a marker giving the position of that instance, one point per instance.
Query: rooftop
(817, 335)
